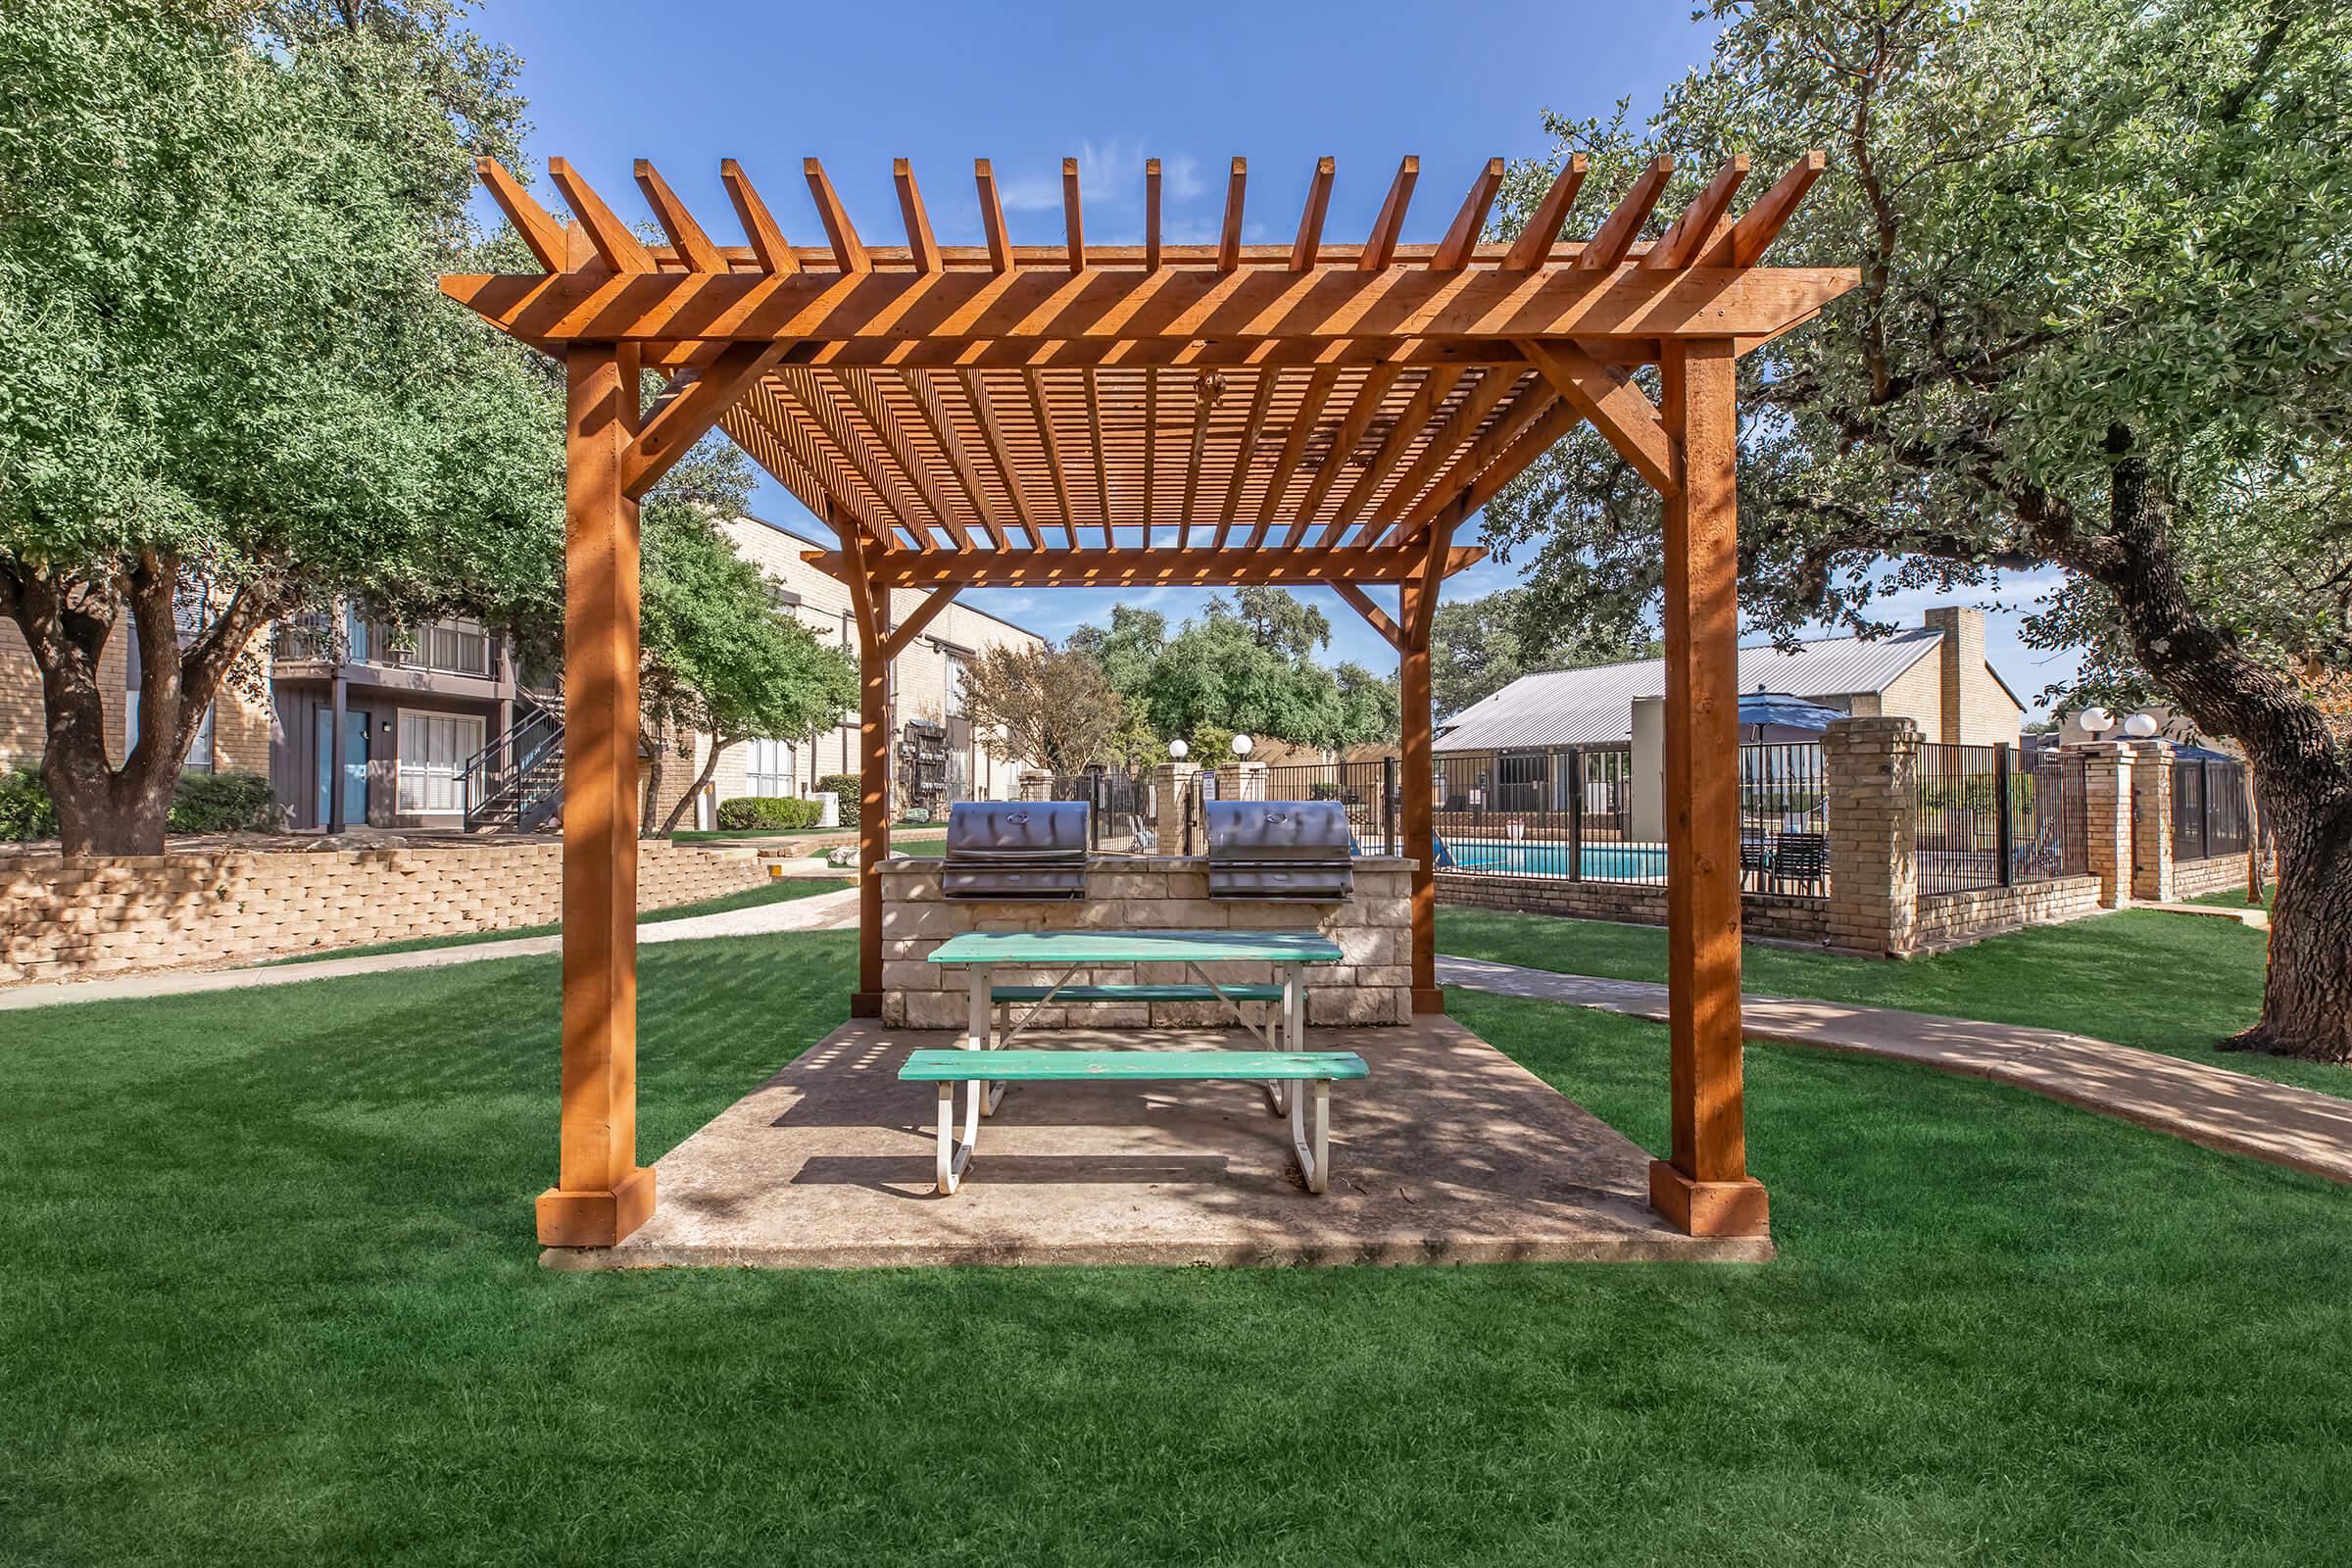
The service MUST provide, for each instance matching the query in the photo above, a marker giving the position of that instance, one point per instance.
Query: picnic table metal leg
(980, 1018)
(1313, 1150)
(955, 1155)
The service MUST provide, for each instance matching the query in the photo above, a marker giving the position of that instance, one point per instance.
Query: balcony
(439, 647)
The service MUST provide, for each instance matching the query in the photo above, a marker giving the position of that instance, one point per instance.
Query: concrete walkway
(820, 911)
(2299, 1128)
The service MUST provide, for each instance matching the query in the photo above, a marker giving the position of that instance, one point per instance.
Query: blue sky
(686, 85)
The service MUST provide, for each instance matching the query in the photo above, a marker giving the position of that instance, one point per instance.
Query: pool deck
(1450, 1152)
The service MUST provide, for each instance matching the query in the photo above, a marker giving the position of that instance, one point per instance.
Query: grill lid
(1017, 832)
(1277, 831)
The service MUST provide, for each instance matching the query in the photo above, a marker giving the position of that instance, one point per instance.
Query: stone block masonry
(1371, 984)
(63, 919)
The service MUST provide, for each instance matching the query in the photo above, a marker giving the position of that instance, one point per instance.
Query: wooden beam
(1703, 1188)
(1207, 389)
(1761, 225)
(1534, 245)
(687, 410)
(1043, 413)
(1418, 605)
(601, 1193)
(926, 612)
(614, 245)
(1073, 219)
(541, 232)
(951, 310)
(869, 608)
(1309, 243)
(951, 443)
(1369, 608)
(765, 404)
(1382, 245)
(1128, 568)
(1413, 422)
(1438, 452)
(991, 217)
(849, 252)
(1359, 418)
(1699, 225)
(1151, 257)
(919, 242)
(1294, 448)
(991, 436)
(1229, 241)
(768, 246)
(871, 406)
(1151, 452)
(686, 237)
(1453, 251)
(748, 431)
(1092, 376)
(807, 398)
(1461, 476)
(1254, 425)
(1615, 237)
(1617, 409)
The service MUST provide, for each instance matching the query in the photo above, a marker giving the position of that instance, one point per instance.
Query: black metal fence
(1367, 789)
(1988, 816)
(1784, 819)
(1125, 814)
(2211, 813)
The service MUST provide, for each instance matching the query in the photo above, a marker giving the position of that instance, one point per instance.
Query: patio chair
(1803, 859)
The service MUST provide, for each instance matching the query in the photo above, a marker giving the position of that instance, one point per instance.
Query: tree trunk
(654, 765)
(2307, 994)
(701, 782)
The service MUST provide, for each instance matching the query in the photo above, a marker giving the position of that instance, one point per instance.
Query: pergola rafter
(1120, 415)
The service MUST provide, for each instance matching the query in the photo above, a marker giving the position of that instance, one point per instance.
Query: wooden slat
(797, 463)
(866, 395)
(1205, 391)
(1151, 452)
(1382, 245)
(991, 436)
(1073, 219)
(1532, 400)
(943, 430)
(1151, 259)
(768, 243)
(1043, 412)
(1447, 440)
(614, 245)
(1414, 422)
(1615, 237)
(812, 399)
(1534, 245)
(849, 252)
(1229, 241)
(1294, 447)
(1359, 416)
(686, 237)
(1752, 235)
(1252, 425)
(1699, 225)
(919, 242)
(1147, 568)
(1617, 409)
(1453, 251)
(1309, 242)
(991, 217)
(541, 232)
(1093, 377)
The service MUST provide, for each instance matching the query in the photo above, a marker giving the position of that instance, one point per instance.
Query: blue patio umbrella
(1780, 709)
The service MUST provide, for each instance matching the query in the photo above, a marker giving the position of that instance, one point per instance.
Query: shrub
(849, 789)
(1327, 789)
(222, 802)
(26, 810)
(762, 812)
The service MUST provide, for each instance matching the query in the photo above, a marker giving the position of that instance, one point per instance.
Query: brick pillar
(1036, 785)
(1172, 786)
(1870, 768)
(1240, 781)
(2107, 804)
(2151, 819)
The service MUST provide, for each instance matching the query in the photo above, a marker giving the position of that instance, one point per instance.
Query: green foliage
(1049, 706)
(852, 792)
(768, 811)
(26, 810)
(224, 802)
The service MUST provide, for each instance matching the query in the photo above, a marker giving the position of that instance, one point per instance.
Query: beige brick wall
(72, 918)
(1780, 916)
(1951, 919)
(24, 732)
(2223, 873)
(1371, 984)
(1974, 708)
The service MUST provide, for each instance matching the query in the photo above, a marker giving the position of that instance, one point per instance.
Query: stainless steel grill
(1015, 851)
(1294, 850)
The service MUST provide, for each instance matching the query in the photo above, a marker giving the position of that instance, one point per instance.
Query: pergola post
(868, 602)
(1703, 1188)
(601, 1193)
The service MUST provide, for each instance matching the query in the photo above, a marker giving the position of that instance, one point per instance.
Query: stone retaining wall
(1782, 916)
(65, 918)
(1372, 984)
(2223, 873)
(1951, 919)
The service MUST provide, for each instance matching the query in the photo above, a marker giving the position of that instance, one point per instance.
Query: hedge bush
(765, 812)
(849, 789)
(26, 810)
(222, 802)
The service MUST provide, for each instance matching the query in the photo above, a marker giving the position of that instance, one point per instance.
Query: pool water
(1600, 862)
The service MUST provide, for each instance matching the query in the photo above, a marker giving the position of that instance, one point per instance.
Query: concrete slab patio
(1450, 1152)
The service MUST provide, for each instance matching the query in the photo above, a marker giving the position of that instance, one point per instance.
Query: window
(434, 749)
(767, 769)
(956, 675)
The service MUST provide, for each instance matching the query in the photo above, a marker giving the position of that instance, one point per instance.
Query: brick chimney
(1961, 660)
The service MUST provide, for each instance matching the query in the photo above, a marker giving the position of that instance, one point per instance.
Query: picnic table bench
(1279, 1071)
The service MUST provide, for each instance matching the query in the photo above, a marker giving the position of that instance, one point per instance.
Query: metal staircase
(516, 783)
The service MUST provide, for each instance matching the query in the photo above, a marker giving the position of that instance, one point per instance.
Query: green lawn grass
(2172, 983)
(272, 1299)
(777, 891)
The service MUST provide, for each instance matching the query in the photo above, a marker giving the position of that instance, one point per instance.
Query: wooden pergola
(1122, 416)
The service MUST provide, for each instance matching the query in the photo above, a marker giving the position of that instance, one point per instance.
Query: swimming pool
(1600, 862)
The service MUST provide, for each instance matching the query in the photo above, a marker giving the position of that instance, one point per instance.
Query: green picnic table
(1063, 954)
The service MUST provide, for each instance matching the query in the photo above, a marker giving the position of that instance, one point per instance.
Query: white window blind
(434, 749)
(767, 768)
